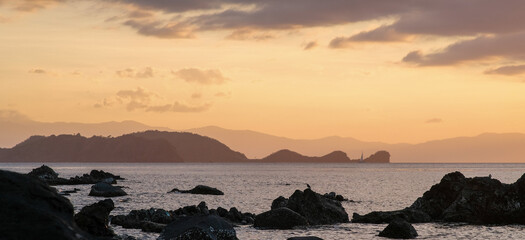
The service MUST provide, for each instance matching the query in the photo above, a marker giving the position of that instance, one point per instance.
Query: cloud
(131, 73)
(33, 5)
(381, 34)
(144, 100)
(38, 71)
(310, 45)
(247, 34)
(178, 107)
(508, 70)
(196, 96)
(434, 120)
(205, 77)
(223, 94)
(161, 30)
(508, 46)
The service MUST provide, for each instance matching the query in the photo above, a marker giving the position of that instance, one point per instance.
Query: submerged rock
(335, 196)
(199, 228)
(478, 200)
(400, 229)
(279, 218)
(103, 189)
(95, 217)
(30, 209)
(200, 189)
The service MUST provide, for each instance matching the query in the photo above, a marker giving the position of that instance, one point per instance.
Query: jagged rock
(137, 218)
(279, 202)
(316, 208)
(30, 209)
(478, 200)
(335, 196)
(44, 173)
(199, 228)
(48, 175)
(279, 218)
(103, 189)
(305, 238)
(95, 217)
(400, 229)
(200, 189)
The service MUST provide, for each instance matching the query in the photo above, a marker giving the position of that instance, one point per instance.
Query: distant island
(152, 146)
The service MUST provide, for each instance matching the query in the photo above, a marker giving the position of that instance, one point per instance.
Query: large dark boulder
(478, 200)
(95, 217)
(400, 229)
(103, 189)
(209, 227)
(316, 208)
(30, 209)
(200, 189)
(279, 202)
(279, 218)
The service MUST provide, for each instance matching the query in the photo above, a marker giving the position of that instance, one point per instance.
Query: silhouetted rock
(400, 229)
(209, 227)
(335, 196)
(44, 173)
(316, 208)
(200, 189)
(279, 218)
(137, 219)
(478, 200)
(30, 209)
(279, 202)
(103, 189)
(378, 157)
(286, 155)
(305, 238)
(147, 226)
(95, 217)
(68, 192)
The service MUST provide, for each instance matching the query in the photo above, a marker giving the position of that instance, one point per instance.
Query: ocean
(252, 187)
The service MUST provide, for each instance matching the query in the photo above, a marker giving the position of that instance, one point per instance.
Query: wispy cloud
(132, 73)
(508, 70)
(310, 45)
(434, 120)
(205, 77)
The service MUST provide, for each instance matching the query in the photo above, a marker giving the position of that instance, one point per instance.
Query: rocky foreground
(478, 200)
(31, 209)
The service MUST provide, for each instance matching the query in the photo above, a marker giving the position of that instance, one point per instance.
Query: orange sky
(392, 71)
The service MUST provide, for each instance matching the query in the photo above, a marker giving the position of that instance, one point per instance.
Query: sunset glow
(408, 71)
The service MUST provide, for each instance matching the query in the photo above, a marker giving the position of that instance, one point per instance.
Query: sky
(376, 70)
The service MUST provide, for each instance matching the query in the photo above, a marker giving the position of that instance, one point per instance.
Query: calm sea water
(252, 187)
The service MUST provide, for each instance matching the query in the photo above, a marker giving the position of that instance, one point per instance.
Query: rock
(48, 175)
(279, 218)
(200, 189)
(44, 173)
(137, 218)
(209, 227)
(279, 202)
(103, 189)
(478, 200)
(147, 226)
(316, 208)
(335, 196)
(30, 209)
(410, 215)
(400, 229)
(94, 218)
(305, 238)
